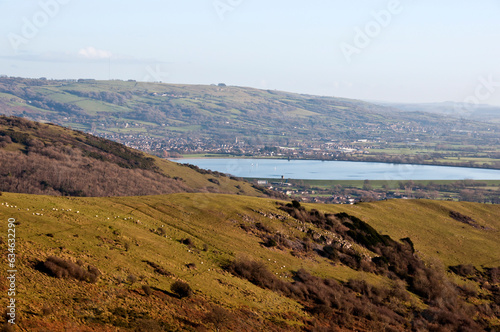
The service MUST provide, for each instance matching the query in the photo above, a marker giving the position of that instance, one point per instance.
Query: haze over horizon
(392, 50)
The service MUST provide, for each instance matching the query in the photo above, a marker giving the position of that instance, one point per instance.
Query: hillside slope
(190, 114)
(47, 159)
(253, 264)
(479, 112)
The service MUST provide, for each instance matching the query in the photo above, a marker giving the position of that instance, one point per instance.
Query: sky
(391, 50)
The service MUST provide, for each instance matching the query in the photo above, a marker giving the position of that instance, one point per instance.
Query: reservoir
(337, 170)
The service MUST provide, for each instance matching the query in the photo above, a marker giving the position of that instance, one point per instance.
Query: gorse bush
(147, 290)
(188, 242)
(464, 270)
(60, 268)
(181, 289)
(271, 242)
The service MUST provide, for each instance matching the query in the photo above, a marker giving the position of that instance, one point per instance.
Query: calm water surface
(338, 170)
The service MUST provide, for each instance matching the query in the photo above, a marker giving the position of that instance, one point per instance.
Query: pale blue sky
(424, 51)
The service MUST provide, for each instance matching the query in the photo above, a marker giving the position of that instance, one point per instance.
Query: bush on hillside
(147, 290)
(181, 289)
(188, 242)
(60, 268)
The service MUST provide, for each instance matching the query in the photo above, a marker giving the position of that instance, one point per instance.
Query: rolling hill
(173, 115)
(246, 263)
(48, 159)
(479, 112)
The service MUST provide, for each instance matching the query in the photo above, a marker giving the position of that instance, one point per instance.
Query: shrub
(331, 253)
(464, 219)
(359, 286)
(131, 278)
(181, 289)
(246, 228)
(271, 243)
(263, 228)
(147, 290)
(464, 270)
(218, 317)
(60, 268)
(93, 274)
(327, 299)
(214, 181)
(468, 290)
(46, 310)
(6, 139)
(187, 242)
(255, 272)
(494, 275)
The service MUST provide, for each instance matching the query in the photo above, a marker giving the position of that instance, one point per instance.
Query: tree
(367, 185)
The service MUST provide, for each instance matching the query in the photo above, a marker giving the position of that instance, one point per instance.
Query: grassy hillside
(177, 109)
(48, 159)
(143, 245)
(221, 113)
(433, 231)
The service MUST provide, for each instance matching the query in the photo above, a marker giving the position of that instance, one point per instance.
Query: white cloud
(94, 53)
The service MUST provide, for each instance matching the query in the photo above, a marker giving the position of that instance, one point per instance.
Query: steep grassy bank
(47, 159)
(142, 245)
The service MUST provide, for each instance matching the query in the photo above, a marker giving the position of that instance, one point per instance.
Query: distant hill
(208, 262)
(47, 159)
(220, 115)
(480, 112)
